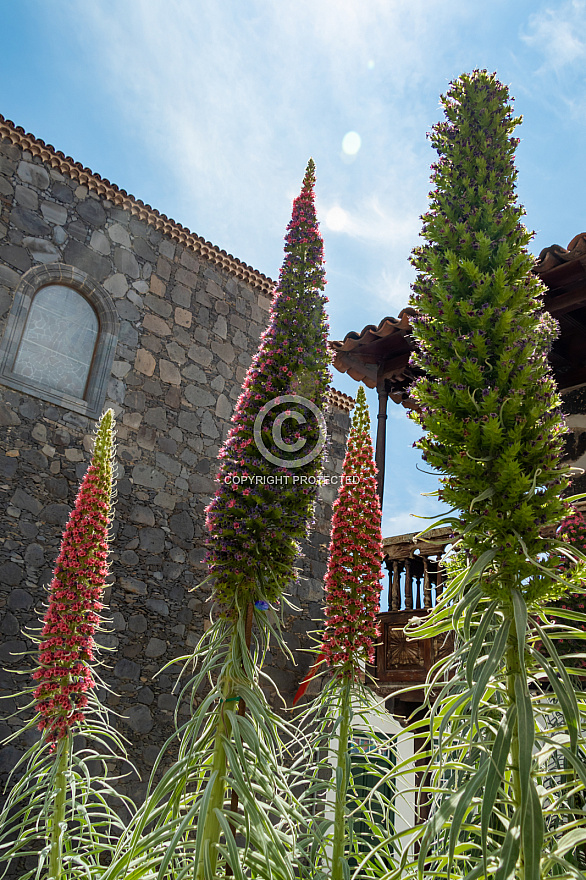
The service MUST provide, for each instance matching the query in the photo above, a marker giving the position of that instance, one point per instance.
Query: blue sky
(209, 111)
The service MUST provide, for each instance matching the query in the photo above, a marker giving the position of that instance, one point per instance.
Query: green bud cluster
(487, 399)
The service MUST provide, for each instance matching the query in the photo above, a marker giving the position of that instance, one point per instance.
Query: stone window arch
(60, 339)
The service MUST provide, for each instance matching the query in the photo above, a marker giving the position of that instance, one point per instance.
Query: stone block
(183, 317)
(77, 254)
(92, 212)
(152, 540)
(55, 514)
(133, 585)
(144, 362)
(145, 475)
(41, 250)
(145, 696)
(220, 328)
(8, 417)
(54, 213)
(157, 285)
(223, 408)
(169, 373)
(11, 575)
(15, 256)
(181, 296)
(137, 623)
(139, 718)
(157, 417)
(9, 625)
(181, 525)
(24, 501)
(26, 197)
(35, 175)
(126, 262)
(11, 651)
(9, 278)
(158, 606)
(34, 556)
(146, 437)
(208, 425)
(119, 235)
(127, 669)
(156, 325)
(144, 250)
(167, 702)
(224, 350)
(201, 485)
(163, 268)
(142, 515)
(199, 396)
(200, 355)
(155, 648)
(160, 306)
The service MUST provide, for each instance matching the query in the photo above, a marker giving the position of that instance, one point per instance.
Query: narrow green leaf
(498, 760)
(446, 809)
(575, 726)
(509, 853)
(488, 667)
(532, 835)
(478, 642)
(526, 737)
(568, 706)
(520, 612)
(462, 807)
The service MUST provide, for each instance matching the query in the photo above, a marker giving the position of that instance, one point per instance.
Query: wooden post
(381, 437)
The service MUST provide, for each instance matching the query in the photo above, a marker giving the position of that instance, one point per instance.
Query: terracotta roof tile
(340, 400)
(361, 354)
(556, 255)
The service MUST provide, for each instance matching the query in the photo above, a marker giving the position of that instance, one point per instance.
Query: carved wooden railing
(415, 583)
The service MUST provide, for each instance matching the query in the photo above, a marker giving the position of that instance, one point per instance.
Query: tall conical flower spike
(270, 460)
(354, 568)
(66, 648)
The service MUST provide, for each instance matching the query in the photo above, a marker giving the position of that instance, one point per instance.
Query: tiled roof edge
(555, 254)
(340, 400)
(401, 323)
(94, 182)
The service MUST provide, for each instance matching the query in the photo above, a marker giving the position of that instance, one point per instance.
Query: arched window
(60, 339)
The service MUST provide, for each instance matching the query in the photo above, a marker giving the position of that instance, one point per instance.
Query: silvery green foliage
(504, 731)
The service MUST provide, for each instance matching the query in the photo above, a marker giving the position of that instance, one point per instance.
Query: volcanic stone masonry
(189, 319)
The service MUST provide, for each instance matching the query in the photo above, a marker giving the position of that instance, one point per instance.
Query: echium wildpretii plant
(67, 644)
(56, 811)
(353, 576)
(230, 781)
(351, 632)
(270, 461)
(494, 432)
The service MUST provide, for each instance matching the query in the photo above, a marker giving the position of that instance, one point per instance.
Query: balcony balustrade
(415, 579)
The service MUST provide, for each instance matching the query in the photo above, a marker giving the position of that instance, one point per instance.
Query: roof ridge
(103, 187)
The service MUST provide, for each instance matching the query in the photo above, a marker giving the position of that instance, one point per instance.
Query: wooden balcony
(415, 583)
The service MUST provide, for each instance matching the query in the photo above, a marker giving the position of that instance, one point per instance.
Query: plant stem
(211, 829)
(342, 780)
(513, 669)
(58, 819)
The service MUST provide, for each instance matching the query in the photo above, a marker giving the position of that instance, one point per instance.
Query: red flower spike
(262, 505)
(67, 646)
(354, 573)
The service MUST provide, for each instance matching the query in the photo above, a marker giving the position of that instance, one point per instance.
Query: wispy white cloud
(233, 98)
(555, 32)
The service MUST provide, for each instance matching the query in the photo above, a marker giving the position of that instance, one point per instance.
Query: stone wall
(188, 328)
